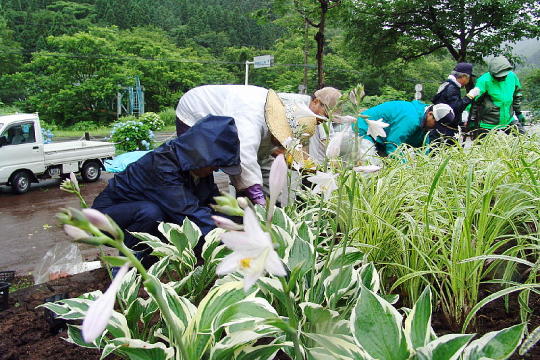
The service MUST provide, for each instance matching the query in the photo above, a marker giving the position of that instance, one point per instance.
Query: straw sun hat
(283, 124)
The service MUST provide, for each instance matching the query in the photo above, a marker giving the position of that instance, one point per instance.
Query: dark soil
(26, 334)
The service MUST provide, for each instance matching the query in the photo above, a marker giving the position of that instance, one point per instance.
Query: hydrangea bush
(131, 135)
(153, 121)
(47, 135)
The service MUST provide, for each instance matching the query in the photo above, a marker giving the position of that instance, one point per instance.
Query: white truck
(25, 159)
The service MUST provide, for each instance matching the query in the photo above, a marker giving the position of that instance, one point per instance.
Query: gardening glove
(521, 118)
(256, 195)
(474, 92)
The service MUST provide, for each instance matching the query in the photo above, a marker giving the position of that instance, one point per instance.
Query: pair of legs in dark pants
(136, 216)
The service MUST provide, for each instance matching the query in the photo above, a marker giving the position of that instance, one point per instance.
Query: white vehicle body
(24, 158)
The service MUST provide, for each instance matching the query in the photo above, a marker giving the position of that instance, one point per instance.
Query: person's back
(450, 93)
(499, 98)
(404, 119)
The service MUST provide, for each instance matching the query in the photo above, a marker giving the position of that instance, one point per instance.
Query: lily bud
(226, 224)
(75, 233)
(243, 202)
(74, 181)
(228, 210)
(101, 221)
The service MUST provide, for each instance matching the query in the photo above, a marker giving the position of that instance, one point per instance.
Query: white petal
(278, 177)
(250, 280)
(237, 241)
(229, 264)
(334, 147)
(274, 265)
(253, 228)
(367, 168)
(344, 119)
(100, 311)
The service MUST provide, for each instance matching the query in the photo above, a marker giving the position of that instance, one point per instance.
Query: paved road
(29, 228)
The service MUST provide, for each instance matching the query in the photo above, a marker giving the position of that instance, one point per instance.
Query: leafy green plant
(131, 135)
(168, 116)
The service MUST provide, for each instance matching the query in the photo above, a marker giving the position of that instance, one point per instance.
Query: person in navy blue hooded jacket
(173, 182)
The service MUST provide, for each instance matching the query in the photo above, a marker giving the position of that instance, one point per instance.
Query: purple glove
(256, 195)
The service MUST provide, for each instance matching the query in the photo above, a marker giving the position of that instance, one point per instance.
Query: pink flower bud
(100, 221)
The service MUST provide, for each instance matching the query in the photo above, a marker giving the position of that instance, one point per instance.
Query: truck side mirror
(3, 140)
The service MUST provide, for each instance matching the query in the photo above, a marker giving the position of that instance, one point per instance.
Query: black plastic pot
(56, 325)
(4, 295)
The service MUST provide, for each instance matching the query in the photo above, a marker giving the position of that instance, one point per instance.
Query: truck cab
(25, 159)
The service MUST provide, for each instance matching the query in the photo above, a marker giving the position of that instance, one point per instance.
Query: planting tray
(5, 282)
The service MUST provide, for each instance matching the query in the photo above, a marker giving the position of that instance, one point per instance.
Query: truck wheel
(90, 172)
(20, 182)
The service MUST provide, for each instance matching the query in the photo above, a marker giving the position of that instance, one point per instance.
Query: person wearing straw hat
(321, 102)
(264, 124)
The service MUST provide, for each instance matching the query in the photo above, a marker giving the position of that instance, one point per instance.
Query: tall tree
(314, 13)
(468, 30)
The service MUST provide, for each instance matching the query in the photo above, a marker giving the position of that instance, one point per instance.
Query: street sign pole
(247, 70)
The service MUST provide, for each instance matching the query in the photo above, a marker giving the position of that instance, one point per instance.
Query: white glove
(473, 93)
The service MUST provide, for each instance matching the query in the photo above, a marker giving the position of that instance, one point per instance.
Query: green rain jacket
(404, 118)
(498, 100)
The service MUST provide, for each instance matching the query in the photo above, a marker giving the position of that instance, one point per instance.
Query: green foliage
(130, 134)
(407, 29)
(152, 120)
(168, 116)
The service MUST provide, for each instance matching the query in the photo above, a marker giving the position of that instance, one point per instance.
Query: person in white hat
(263, 122)
(407, 123)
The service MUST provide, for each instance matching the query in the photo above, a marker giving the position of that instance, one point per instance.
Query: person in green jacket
(499, 99)
(404, 122)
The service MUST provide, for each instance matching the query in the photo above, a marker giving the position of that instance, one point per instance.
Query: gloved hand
(474, 92)
(521, 118)
(256, 195)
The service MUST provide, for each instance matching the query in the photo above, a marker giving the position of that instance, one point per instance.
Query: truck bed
(70, 151)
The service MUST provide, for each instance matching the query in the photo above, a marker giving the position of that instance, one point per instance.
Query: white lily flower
(303, 110)
(367, 168)
(376, 128)
(325, 182)
(100, 311)
(73, 179)
(227, 224)
(292, 143)
(334, 146)
(344, 119)
(253, 252)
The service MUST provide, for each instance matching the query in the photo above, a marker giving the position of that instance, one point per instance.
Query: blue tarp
(120, 162)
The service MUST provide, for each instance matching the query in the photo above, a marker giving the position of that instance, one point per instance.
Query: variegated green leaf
(250, 309)
(370, 277)
(418, 322)
(530, 341)
(233, 343)
(261, 352)
(180, 308)
(316, 314)
(447, 347)
(129, 288)
(75, 337)
(140, 350)
(300, 252)
(272, 290)
(498, 345)
(339, 283)
(342, 346)
(376, 326)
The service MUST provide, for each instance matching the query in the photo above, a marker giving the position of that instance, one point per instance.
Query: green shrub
(131, 135)
(152, 120)
(84, 126)
(168, 116)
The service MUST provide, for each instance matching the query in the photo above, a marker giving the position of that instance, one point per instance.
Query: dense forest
(69, 60)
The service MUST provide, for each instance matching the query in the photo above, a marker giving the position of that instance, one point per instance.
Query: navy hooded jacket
(163, 176)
